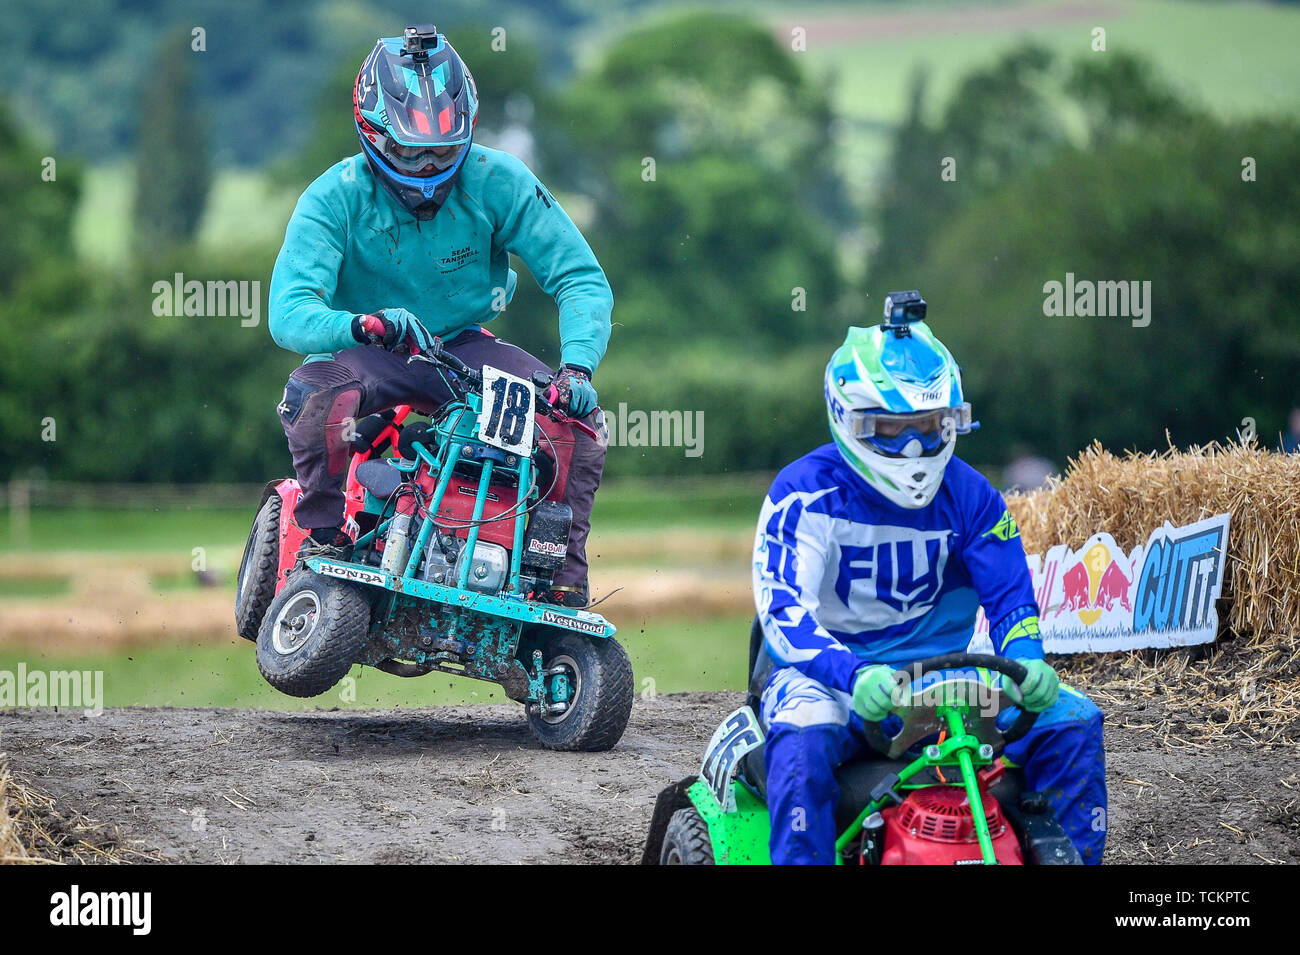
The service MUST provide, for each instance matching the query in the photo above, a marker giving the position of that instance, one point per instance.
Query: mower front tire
(255, 585)
(601, 678)
(686, 840)
(314, 631)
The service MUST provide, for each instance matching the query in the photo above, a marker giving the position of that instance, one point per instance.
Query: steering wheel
(920, 722)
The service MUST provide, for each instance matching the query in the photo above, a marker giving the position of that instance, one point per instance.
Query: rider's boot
(328, 542)
(575, 597)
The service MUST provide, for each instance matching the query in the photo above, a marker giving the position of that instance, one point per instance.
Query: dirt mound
(469, 784)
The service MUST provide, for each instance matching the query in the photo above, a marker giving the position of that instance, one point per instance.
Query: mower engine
(934, 826)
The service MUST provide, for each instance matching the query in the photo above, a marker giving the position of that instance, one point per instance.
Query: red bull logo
(1099, 598)
(1097, 583)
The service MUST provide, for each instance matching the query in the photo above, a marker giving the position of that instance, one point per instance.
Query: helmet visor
(895, 434)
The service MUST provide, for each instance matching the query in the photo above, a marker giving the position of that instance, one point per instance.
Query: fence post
(20, 512)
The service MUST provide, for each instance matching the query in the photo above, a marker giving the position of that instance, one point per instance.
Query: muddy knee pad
(318, 411)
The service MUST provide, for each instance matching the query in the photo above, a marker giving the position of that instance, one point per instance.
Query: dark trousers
(324, 398)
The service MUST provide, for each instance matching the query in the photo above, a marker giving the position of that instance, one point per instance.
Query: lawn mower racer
(873, 554)
(411, 239)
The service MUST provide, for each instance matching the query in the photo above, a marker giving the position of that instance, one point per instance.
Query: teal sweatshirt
(350, 249)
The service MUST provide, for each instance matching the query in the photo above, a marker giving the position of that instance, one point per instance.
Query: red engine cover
(934, 826)
(457, 506)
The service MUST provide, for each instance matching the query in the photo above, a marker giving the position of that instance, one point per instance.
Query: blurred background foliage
(778, 174)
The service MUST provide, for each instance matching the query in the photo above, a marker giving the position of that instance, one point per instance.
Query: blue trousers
(811, 730)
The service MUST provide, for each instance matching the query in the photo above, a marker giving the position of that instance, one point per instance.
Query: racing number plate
(739, 733)
(508, 416)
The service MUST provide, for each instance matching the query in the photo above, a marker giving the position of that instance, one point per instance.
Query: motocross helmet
(415, 106)
(894, 399)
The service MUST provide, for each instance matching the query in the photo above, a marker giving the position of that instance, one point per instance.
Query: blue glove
(394, 329)
(574, 391)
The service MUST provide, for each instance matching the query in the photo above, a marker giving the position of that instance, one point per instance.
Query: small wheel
(599, 677)
(686, 840)
(255, 586)
(313, 632)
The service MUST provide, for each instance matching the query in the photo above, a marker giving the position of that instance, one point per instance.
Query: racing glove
(402, 331)
(574, 391)
(876, 693)
(1039, 690)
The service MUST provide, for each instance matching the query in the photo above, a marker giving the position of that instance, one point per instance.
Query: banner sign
(1098, 598)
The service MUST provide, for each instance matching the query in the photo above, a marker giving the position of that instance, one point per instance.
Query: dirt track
(468, 784)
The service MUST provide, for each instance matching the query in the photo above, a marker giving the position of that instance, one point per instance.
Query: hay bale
(33, 831)
(1130, 495)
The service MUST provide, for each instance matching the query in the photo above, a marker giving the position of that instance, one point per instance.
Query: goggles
(414, 159)
(892, 433)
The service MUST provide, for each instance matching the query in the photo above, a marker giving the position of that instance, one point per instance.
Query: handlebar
(1014, 671)
(540, 380)
(952, 661)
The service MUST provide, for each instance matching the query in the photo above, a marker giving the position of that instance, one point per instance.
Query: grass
(667, 656)
(85, 529)
(34, 587)
(1237, 58)
(721, 503)
(244, 209)
(639, 523)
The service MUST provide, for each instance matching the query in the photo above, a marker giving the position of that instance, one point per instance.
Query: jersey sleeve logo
(1005, 529)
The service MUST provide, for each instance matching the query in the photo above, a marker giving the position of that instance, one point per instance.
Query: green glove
(874, 691)
(1040, 688)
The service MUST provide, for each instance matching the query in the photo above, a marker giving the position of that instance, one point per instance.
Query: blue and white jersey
(844, 577)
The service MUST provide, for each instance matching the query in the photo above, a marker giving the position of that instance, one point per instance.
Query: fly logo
(130, 909)
(895, 577)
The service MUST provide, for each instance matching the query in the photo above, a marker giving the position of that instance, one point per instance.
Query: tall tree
(701, 168)
(173, 171)
(38, 197)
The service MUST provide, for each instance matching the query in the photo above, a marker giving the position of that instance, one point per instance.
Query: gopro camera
(419, 39)
(904, 308)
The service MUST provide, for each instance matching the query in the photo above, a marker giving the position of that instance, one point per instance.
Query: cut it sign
(1098, 598)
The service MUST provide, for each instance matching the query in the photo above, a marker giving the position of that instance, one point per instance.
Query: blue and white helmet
(894, 399)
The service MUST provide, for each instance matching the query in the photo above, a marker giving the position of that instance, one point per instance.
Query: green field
(1239, 58)
(667, 656)
(719, 503)
(674, 653)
